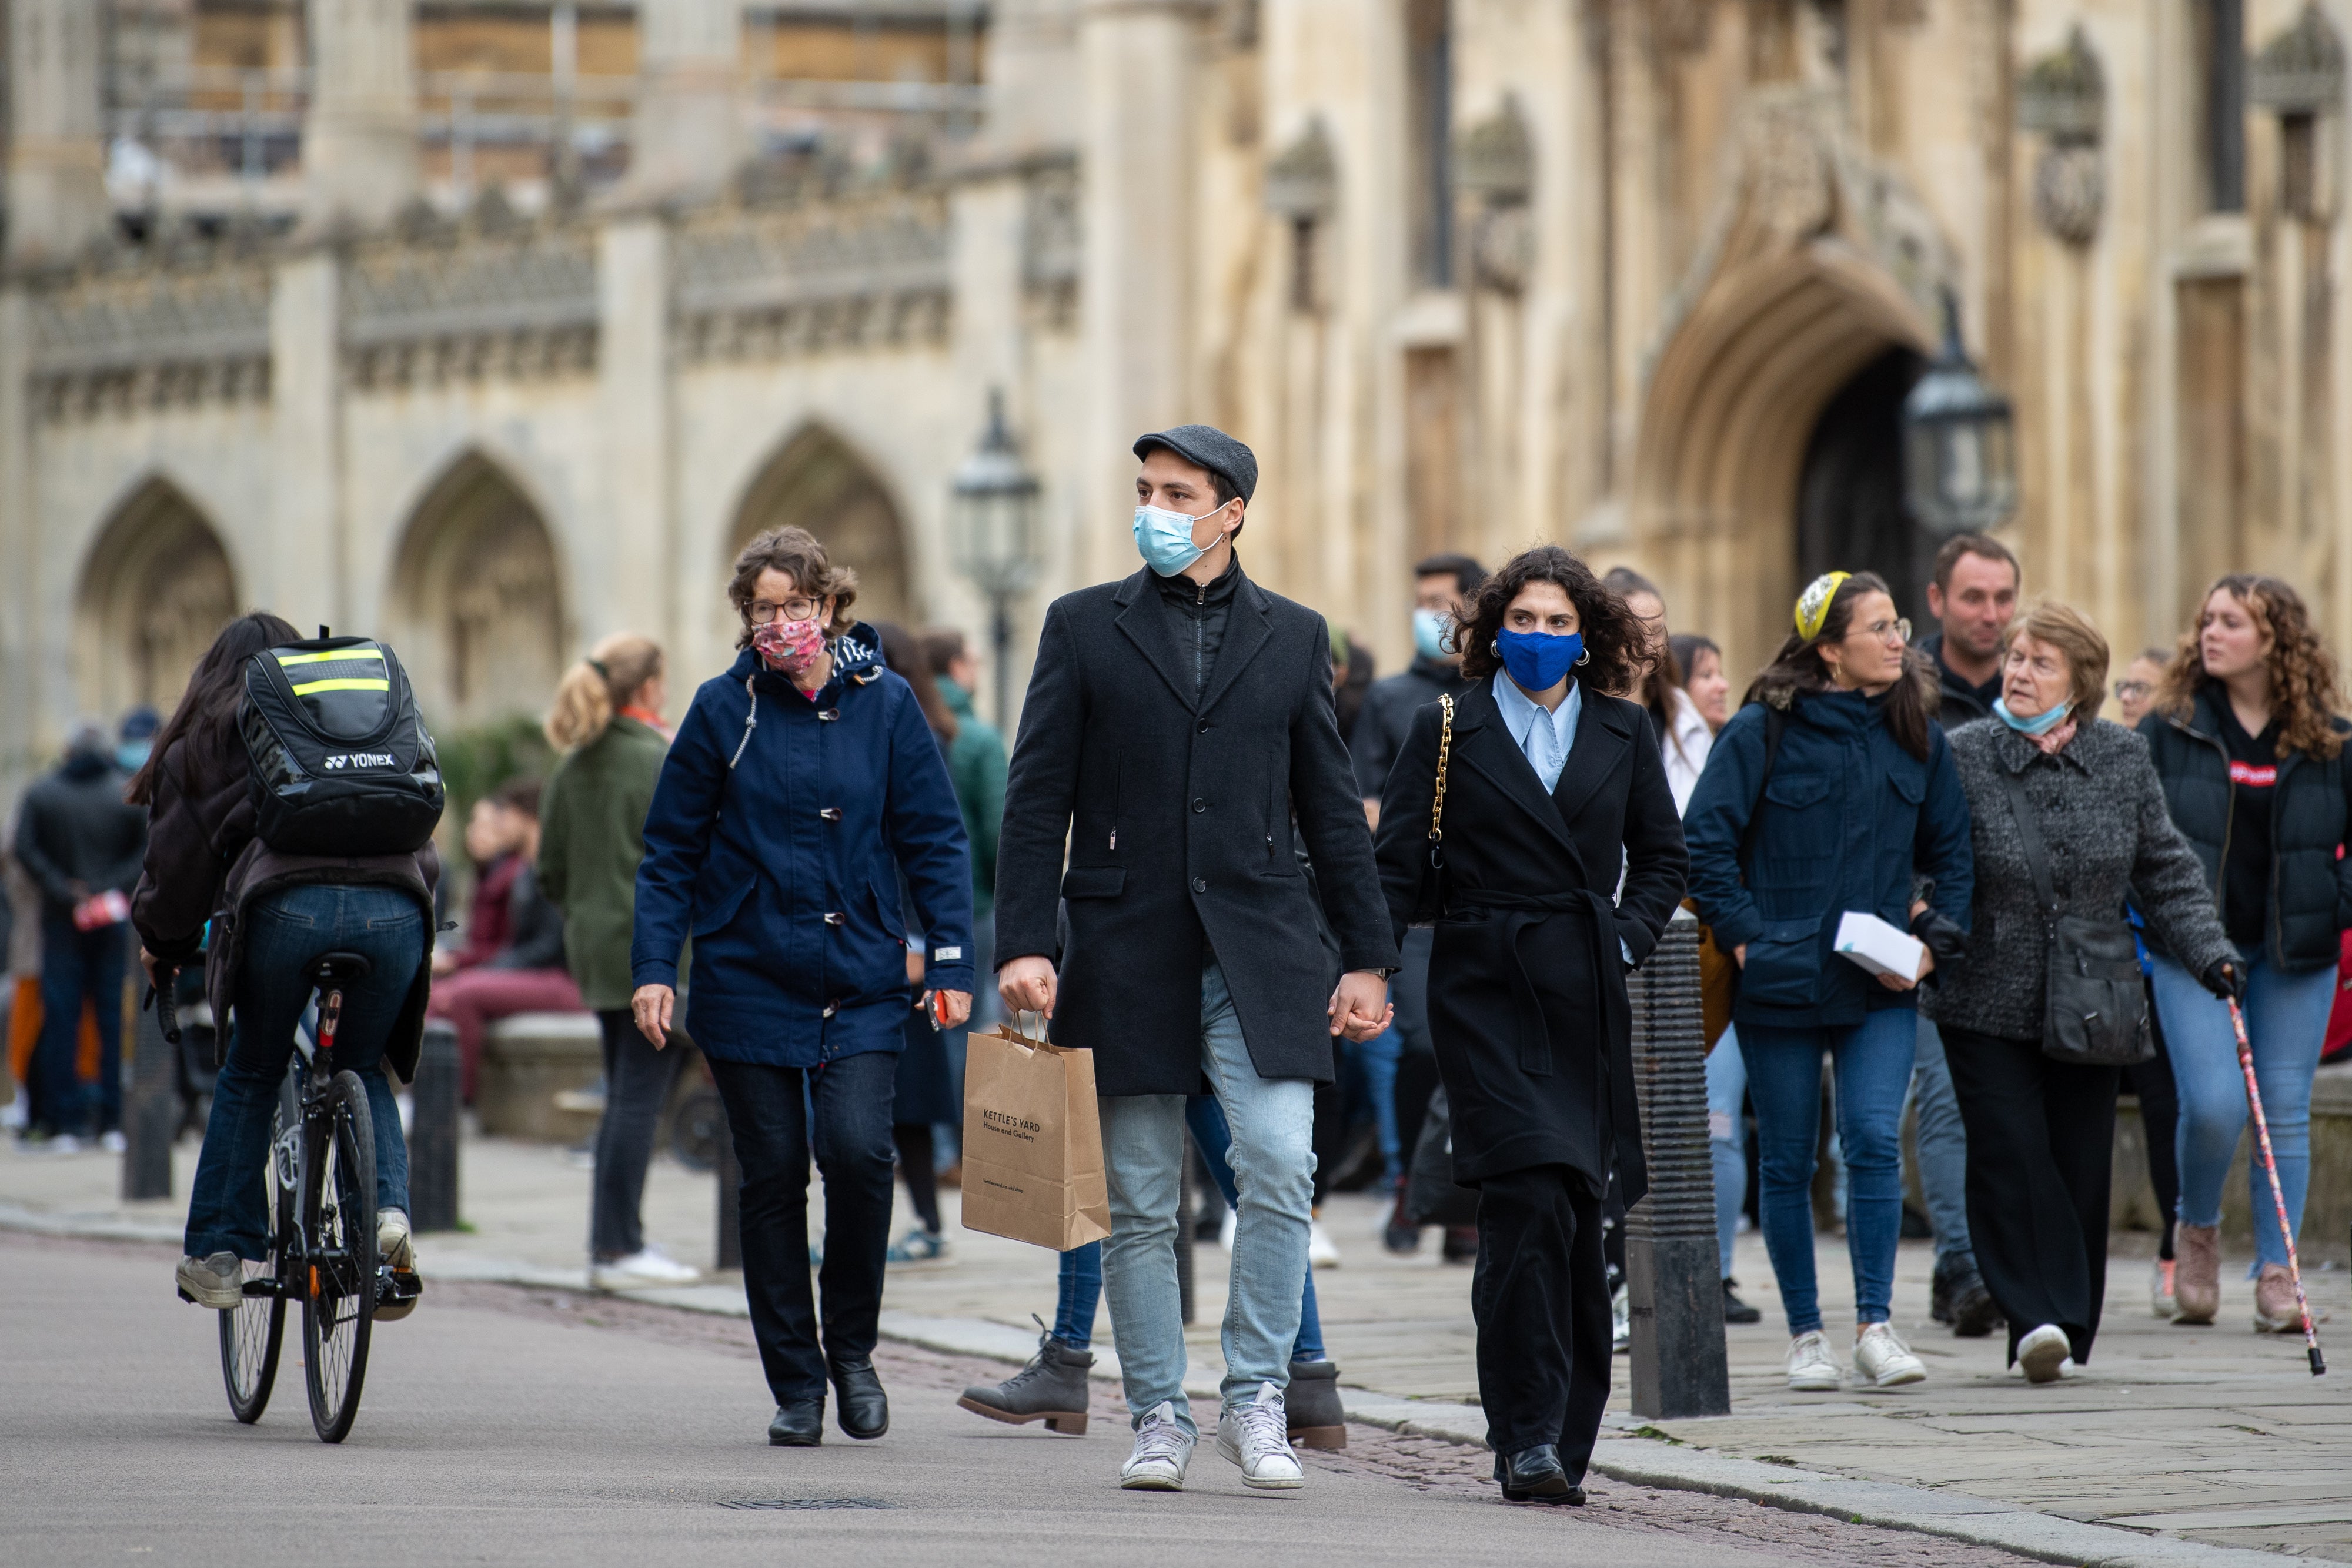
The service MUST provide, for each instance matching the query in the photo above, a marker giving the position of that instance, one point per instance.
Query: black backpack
(341, 764)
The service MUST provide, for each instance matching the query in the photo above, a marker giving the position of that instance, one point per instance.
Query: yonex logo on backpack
(341, 762)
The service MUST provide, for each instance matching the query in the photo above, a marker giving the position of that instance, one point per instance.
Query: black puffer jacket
(2311, 883)
(75, 836)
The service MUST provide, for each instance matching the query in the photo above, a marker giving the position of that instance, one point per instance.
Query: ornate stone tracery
(2064, 94)
(855, 273)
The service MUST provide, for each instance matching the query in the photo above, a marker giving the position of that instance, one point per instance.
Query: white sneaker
(2160, 1290)
(1812, 1366)
(393, 1244)
(63, 1143)
(639, 1269)
(1320, 1252)
(218, 1282)
(2043, 1355)
(1226, 1227)
(113, 1143)
(1621, 1319)
(1256, 1436)
(1886, 1360)
(1162, 1449)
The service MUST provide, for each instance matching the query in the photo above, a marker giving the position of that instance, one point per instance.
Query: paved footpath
(2176, 1446)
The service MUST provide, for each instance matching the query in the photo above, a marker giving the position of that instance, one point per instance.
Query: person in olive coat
(608, 720)
(1551, 786)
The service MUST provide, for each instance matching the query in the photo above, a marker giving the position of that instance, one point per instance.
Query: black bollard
(730, 1198)
(1187, 1184)
(1672, 1268)
(433, 1137)
(150, 1107)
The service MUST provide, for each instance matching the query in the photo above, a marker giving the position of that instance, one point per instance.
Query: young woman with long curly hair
(1832, 790)
(1551, 786)
(2249, 745)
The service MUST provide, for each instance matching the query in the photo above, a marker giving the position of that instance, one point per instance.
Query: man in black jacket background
(80, 841)
(1176, 724)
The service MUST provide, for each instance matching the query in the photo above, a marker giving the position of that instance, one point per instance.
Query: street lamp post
(1959, 443)
(994, 500)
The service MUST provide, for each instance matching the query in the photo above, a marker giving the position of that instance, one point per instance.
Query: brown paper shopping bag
(1033, 1160)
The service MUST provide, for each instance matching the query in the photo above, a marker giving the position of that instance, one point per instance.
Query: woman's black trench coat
(1527, 982)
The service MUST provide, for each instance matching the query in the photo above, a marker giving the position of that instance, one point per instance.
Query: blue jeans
(2286, 1025)
(228, 1207)
(1081, 1274)
(76, 965)
(1873, 1062)
(1726, 1138)
(1273, 1156)
(1380, 1056)
(1943, 1148)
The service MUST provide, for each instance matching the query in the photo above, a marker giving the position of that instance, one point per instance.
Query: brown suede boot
(2197, 1279)
(2274, 1308)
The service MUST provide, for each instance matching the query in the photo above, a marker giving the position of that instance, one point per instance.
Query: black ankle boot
(1312, 1406)
(1534, 1475)
(799, 1424)
(864, 1413)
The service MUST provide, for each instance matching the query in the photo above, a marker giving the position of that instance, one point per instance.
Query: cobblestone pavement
(2209, 1434)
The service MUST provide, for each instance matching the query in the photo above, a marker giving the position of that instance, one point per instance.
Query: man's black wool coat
(1176, 811)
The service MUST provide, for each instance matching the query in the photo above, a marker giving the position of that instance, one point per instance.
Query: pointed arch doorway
(477, 602)
(816, 481)
(156, 587)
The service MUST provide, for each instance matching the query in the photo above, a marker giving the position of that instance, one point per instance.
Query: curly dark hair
(2303, 672)
(1616, 643)
(800, 555)
(1798, 670)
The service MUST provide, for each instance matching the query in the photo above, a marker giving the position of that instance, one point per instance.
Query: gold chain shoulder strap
(1445, 752)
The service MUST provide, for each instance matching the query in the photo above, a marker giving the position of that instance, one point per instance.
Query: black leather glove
(2226, 979)
(1944, 938)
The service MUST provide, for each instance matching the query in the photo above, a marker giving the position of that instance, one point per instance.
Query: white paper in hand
(1881, 948)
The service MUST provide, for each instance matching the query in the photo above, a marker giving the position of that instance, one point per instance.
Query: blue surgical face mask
(1537, 659)
(1164, 538)
(1429, 629)
(2040, 724)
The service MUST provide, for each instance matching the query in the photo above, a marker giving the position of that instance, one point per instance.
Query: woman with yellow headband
(1832, 791)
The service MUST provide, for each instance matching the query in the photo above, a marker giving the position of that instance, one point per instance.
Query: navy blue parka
(1847, 820)
(776, 839)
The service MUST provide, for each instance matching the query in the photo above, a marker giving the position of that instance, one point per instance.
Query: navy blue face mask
(1538, 660)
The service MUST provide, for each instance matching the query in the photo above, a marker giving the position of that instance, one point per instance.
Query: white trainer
(218, 1282)
(1812, 1366)
(1162, 1449)
(392, 1243)
(1621, 1319)
(2043, 1355)
(1885, 1359)
(640, 1269)
(1321, 1253)
(1256, 1436)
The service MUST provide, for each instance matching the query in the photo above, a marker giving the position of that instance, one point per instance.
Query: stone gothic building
(494, 326)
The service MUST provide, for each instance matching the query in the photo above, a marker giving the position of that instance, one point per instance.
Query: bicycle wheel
(339, 1268)
(250, 1334)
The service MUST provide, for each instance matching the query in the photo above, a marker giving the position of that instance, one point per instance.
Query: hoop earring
(1585, 657)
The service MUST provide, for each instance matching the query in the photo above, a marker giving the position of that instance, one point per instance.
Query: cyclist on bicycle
(270, 915)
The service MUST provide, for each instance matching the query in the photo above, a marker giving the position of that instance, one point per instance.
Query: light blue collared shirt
(1544, 739)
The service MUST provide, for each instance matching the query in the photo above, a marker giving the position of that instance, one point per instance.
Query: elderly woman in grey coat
(2041, 1118)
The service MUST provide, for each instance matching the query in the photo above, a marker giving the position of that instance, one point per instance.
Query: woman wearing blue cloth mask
(2041, 1129)
(1506, 821)
(1832, 791)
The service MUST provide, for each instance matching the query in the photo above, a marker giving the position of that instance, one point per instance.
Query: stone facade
(1645, 276)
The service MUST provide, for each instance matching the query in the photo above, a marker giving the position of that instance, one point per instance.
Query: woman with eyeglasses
(802, 785)
(1832, 791)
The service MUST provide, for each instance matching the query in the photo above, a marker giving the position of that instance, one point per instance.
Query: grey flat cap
(1206, 446)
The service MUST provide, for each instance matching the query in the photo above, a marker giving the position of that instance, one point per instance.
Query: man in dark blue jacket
(1176, 724)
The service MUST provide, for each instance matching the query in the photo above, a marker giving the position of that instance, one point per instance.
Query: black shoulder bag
(2096, 1012)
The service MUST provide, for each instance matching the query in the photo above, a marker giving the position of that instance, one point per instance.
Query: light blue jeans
(1943, 1148)
(1726, 1137)
(1273, 1159)
(2286, 1025)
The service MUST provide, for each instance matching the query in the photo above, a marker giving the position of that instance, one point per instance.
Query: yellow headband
(1813, 604)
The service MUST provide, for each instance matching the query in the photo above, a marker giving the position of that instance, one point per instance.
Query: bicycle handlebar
(166, 1002)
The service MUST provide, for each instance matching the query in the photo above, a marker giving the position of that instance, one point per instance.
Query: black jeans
(2041, 1134)
(636, 1086)
(769, 1118)
(2159, 1120)
(1540, 1296)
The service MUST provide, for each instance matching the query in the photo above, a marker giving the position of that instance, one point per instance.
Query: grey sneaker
(1162, 1449)
(218, 1282)
(1256, 1436)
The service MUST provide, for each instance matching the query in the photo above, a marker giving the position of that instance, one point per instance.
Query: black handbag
(1431, 1195)
(2096, 1012)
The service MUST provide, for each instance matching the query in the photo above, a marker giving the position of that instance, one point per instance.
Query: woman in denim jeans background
(1861, 801)
(270, 915)
(2246, 740)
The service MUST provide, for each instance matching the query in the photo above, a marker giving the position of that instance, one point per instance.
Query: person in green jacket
(607, 722)
(976, 768)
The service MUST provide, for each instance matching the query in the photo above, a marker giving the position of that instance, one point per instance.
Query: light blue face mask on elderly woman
(2042, 723)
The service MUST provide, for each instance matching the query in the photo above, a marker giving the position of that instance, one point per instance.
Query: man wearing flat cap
(1179, 737)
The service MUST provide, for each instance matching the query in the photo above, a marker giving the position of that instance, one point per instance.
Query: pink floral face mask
(790, 647)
